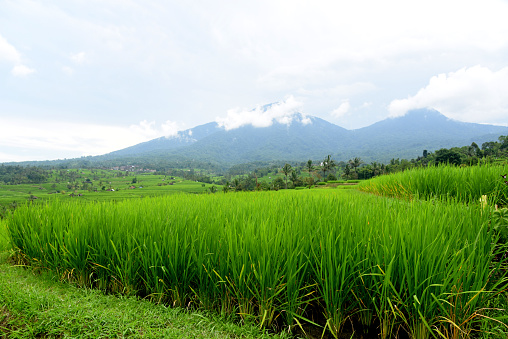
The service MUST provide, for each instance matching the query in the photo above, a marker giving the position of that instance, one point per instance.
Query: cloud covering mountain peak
(284, 112)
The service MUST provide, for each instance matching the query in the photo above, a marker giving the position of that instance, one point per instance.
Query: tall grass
(463, 184)
(4, 236)
(277, 258)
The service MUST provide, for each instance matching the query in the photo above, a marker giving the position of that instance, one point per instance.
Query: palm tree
(347, 171)
(376, 169)
(286, 170)
(237, 185)
(293, 177)
(225, 189)
(327, 165)
(310, 167)
(356, 162)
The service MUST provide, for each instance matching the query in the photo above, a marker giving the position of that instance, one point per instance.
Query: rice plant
(277, 259)
(463, 184)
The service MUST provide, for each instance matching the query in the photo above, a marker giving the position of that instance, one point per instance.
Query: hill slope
(297, 138)
(313, 138)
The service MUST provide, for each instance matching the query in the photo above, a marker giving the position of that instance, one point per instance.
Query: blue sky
(90, 77)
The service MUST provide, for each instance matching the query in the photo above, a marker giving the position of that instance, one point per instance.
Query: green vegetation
(4, 237)
(335, 262)
(96, 185)
(35, 306)
(278, 258)
(463, 184)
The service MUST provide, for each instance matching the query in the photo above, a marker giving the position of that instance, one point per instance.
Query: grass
(277, 258)
(4, 236)
(462, 184)
(147, 185)
(35, 306)
(38, 305)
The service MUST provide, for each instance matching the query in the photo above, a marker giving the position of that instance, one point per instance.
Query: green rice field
(99, 185)
(340, 260)
(462, 184)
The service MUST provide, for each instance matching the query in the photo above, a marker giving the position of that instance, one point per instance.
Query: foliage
(287, 169)
(35, 306)
(327, 165)
(276, 258)
(96, 185)
(464, 184)
(22, 175)
(446, 156)
(500, 223)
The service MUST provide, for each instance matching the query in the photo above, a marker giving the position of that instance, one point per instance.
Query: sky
(88, 77)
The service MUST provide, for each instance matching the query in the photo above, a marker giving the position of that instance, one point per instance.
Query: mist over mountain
(307, 137)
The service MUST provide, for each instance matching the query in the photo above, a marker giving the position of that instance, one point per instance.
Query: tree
(490, 147)
(309, 182)
(277, 183)
(286, 170)
(293, 177)
(474, 150)
(503, 140)
(376, 168)
(225, 188)
(447, 156)
(347, 171)
(327, 165)
(356, 162)
(237, 185)
(310, 167)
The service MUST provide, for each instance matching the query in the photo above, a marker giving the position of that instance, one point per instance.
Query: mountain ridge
(296, 138)
(308, 137)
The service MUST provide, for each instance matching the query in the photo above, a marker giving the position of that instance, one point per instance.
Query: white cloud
(68, 70)
(342, 110)
(22, 70)
(78, 58)
(73, 139)
(262, 116)
(306, 121)
(475, 94)
(149, 130)
(8, 52)
(301, 42)
(171, 128)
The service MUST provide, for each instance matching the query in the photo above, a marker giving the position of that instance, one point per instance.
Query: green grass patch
(36, 306)
(4, 236)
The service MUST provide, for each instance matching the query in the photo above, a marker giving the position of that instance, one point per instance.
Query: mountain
(181, 139)
(294, 141)
(294, 138)
(306, 137)
(421, 129)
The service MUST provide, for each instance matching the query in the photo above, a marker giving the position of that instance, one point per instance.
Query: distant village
(133, 168)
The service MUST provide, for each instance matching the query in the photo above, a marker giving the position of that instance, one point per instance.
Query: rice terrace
(253, 169)
(418, 253)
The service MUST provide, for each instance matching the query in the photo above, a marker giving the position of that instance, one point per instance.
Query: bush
(331, 177)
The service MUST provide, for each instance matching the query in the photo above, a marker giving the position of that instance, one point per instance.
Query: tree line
(304, 174)
(13, 175)
(313, 172)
